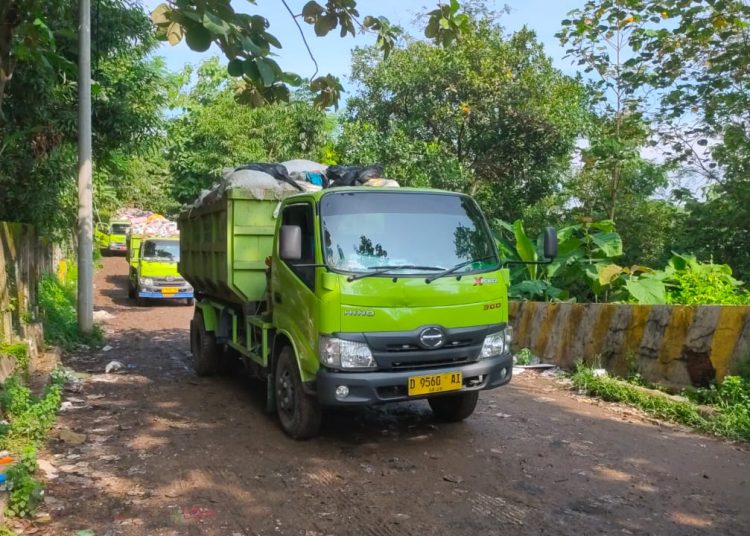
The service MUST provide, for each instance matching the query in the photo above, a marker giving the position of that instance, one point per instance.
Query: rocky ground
(152, 449)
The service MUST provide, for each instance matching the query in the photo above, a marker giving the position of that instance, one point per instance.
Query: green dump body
(224, 246)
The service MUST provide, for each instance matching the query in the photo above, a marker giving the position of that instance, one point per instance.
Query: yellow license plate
(435, 383)
(169, 290)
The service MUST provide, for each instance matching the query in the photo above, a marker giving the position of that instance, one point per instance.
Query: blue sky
(333, 53)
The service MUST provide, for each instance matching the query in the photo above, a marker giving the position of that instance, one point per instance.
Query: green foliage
(19, 352)
(706, 283)
(730, 402)
(685, 62)
(39, 131)
(29, 421)
(216, 132)
(57, 303)
(523, 357)
(25, 493)
(246, 42)
(585, 271)
(581, 270)
(717, 227)
(499, 122)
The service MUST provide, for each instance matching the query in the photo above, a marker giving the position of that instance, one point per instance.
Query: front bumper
(377, 387)
(161, 295)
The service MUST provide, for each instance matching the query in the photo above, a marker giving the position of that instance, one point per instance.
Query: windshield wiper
(385, 269)
(457, 267)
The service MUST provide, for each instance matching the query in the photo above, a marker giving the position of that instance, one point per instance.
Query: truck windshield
(364, 231)
(161, 250)
(120, 228)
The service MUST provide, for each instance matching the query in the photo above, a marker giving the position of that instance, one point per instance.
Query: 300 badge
(490, 306)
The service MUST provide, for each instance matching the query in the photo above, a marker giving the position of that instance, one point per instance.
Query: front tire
(300, 414)
(189, 302)
(206, 353)
(454, 408)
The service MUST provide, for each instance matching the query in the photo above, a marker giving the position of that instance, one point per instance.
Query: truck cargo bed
(224, 246)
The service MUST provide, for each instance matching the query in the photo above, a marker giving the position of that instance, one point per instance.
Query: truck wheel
(454, 408)
(299, 413)
(189, 301)
(206, 352)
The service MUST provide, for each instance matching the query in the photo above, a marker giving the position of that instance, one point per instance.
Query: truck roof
(317, 194)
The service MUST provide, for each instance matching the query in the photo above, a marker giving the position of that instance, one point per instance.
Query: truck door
(295, 304)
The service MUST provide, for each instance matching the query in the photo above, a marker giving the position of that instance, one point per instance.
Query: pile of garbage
(264, 181)
(154, 225)
(133, 215)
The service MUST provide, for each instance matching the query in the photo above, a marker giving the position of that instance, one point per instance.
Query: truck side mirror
(550, 243)
(290, 242)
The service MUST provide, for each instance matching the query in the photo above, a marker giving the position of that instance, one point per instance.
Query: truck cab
(403, 296)
(350, 297)
(111, 237)
(153, 272)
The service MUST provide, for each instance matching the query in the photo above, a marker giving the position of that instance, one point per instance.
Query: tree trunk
(10, 18)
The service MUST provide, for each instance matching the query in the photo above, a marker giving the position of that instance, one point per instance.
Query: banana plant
(585, 251)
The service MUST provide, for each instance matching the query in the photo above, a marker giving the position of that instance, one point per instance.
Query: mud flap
(270, 395)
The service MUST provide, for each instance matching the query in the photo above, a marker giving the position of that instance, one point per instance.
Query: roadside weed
(729, 402)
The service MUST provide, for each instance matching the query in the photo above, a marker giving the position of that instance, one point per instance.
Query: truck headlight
(494, 344)
(338, 353)
(146, 282)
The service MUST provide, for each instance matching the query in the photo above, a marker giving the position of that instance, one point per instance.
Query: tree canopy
(489, 116)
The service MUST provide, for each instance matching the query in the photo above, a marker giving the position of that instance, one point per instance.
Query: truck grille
(174, 282)
(430, 363)
(402, 350)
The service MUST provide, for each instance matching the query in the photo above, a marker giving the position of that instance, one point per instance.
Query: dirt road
(170, 453)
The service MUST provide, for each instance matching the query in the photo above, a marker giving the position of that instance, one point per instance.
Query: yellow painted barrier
(668, 344)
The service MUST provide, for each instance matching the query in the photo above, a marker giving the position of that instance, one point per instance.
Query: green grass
(730, 402)
(57, 302)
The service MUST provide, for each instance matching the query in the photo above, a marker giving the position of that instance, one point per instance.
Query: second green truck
(350, 297)
(152, 267)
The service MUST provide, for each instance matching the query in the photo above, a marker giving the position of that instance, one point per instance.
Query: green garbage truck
(110, 237)
(349, 297)
(153, 253)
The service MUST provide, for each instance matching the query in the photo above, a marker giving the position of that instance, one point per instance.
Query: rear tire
(454, 408)
(206, 353)
(300, 414)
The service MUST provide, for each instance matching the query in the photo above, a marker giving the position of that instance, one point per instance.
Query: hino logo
(352, 312)
(432, 338)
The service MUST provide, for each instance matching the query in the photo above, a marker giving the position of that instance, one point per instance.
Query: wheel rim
(285, 393)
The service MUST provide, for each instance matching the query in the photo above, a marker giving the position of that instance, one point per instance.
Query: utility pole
(85, 203)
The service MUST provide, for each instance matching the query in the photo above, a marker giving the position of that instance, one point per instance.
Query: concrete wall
(678, 345)
(25, 258)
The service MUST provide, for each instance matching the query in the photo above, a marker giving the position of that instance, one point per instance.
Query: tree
(488, 115)
(692, 58)
(39, 130)
(248, 45)
(215, 131)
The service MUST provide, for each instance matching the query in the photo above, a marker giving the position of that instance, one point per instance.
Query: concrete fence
(677, 345)
(25, 258)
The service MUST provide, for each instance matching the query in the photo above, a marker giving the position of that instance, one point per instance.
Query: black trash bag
(352, 175)
(277, 171)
